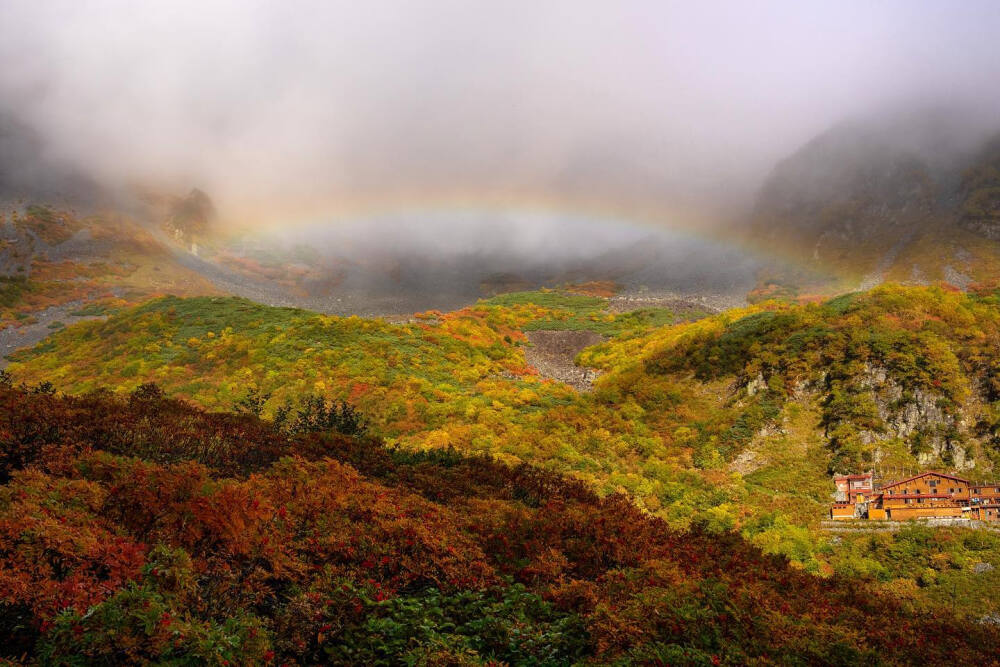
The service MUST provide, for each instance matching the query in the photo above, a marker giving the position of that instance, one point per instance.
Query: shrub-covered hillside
(900, 376)
(446, 380)
(138, 528)
(55, 259)
(735, 420)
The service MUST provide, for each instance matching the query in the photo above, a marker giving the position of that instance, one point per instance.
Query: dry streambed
(553, 353)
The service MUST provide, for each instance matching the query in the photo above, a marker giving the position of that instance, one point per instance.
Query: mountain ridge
(867, 203)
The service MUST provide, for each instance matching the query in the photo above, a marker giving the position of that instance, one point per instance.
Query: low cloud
(322, 108)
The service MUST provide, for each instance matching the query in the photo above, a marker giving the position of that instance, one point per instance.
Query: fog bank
(307, 109)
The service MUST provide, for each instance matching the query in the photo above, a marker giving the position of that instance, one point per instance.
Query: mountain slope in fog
(29, 171)
(914, 199)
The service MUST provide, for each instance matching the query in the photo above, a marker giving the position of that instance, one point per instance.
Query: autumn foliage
(139, 528)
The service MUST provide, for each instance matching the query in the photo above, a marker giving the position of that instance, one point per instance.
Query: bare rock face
(982, 568)
(910, 414)
(987, 228)
(747, 462)
(756, 384)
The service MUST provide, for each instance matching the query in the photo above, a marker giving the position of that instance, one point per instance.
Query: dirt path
(553, 353)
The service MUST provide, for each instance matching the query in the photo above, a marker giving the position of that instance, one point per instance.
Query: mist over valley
(480, 333)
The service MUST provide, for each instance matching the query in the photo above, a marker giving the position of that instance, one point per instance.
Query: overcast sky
(278, 105)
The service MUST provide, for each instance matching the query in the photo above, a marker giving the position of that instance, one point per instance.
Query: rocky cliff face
(920, 419)
(922, 425)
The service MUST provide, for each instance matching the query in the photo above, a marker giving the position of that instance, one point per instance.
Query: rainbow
(684, 223)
